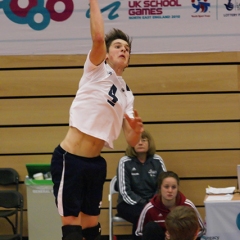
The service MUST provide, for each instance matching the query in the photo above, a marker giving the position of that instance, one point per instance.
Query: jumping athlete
(102, 106)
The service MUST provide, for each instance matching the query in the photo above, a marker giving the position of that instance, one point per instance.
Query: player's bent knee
(92, 233)
(72, 232)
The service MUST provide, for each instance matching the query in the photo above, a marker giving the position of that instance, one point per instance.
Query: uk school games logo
(154, 9)
(143, 9)
(35, 9)
(200, 6)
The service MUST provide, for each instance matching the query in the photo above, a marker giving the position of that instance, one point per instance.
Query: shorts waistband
(62, 151)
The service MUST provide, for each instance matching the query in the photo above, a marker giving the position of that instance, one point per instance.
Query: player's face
(169, 188)
(118, 54)
(142, 146)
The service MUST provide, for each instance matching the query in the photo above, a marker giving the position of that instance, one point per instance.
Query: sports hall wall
(189, 102)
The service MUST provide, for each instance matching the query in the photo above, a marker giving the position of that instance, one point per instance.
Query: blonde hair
(130, 151)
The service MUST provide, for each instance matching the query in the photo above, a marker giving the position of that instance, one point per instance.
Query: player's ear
(106, 58)
(129, 59)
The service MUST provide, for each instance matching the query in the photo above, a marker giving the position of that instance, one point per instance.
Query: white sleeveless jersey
(100, 103)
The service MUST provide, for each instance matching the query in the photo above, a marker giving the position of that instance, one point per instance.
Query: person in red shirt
(152, 219)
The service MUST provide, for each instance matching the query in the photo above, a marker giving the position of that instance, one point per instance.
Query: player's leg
(130, 213)
(68, 190)
(71, 228)
(91, 227)
(93, 199)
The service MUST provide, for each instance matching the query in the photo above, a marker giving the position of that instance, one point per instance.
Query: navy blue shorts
(78, 183)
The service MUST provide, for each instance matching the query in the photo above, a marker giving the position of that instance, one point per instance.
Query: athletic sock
(92, 233)
(72, 232)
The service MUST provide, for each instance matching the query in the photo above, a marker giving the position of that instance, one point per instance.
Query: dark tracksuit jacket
(137, 182)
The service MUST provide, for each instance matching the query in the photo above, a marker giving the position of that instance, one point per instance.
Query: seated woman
(137, 176)
(151, 223)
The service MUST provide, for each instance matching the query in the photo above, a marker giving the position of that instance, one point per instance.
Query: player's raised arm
(132, 128)
(98, 52)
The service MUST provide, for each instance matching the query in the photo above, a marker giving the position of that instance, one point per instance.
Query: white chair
(113, 219)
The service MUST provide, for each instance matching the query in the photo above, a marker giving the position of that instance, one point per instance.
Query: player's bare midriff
(81, 144)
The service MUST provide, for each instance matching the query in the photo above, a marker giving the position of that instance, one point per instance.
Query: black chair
(9, 177)
(9, 180)
(11, 201)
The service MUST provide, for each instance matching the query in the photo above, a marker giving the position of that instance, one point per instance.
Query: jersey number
(112, 94)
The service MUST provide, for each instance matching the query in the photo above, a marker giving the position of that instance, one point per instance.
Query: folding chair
(114, 220)
(9, 180)
(11, 201)
(9, 177)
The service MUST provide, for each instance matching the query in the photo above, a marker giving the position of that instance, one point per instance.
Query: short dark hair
(182, 223)
(130, 151)
(117, 34)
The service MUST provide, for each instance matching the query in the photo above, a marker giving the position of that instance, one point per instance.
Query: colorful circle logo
(27, 14)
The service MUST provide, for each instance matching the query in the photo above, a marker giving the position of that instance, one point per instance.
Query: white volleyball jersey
(100, 103)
